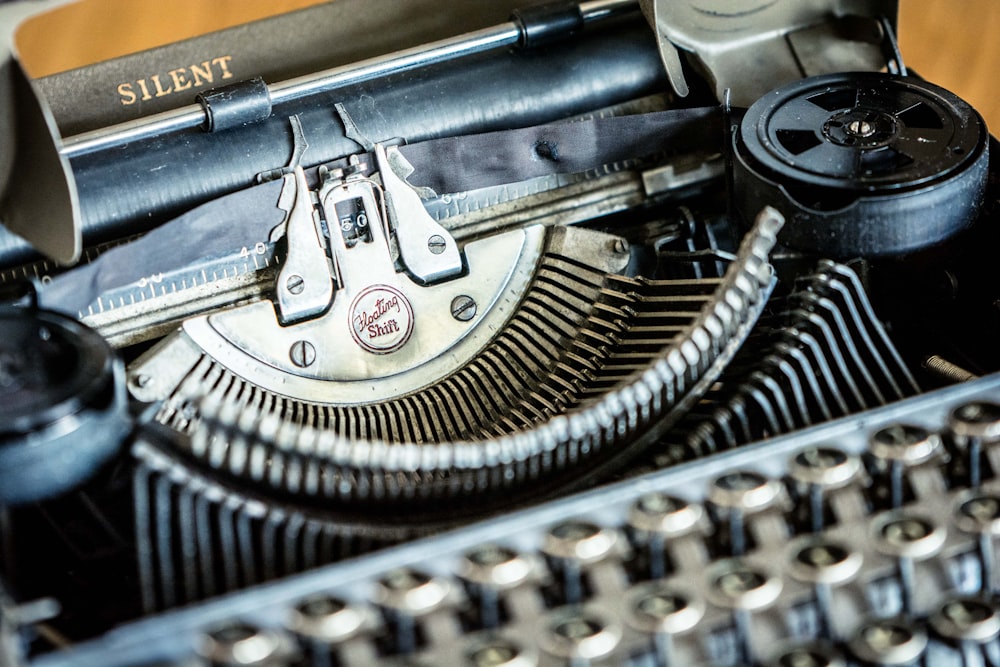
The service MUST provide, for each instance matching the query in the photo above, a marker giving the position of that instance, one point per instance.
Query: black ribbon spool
(63, 407)
(862, 164)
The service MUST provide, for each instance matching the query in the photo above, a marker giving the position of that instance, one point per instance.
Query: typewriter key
(656, 518)
(809, 654)
(579, 633)
(824, 564)
(967, 619)
(738, 494)
(819, 470)
(574, 545)
(500, 651)
(909, 539)
(327, 619)
(973, 425)
(897, 447)
(889, 641)
(979, 514)
(405, 596)
(245, 645)
(490, 570)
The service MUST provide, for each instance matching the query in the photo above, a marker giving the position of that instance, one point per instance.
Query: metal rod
(192, 115)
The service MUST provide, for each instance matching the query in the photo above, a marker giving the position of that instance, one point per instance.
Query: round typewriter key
(744, 490)
(905, 444)
(574, 544)
(244, 645)
(908, 538)
(657, 517)
(820, 560)
(490, 569)
(826, 467)
(907, 535)
(979, 514)
(581, 541)
(809, 654)
(663, 514)
(499, 651)
(735, 585)
(406, 595)
(978, 419)
(823, 563)
(327, 619)
(889, 641)
(663, 607)
(743, 589)
(579, 633)
(497, 566)
(973, 425)
(966, 619)
(411, 592)
(819, 470)
(737, 493)
(899, 446)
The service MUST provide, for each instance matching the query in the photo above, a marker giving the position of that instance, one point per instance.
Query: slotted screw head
(295, 283)
(463, 308)
(436, 244)
(302, 354)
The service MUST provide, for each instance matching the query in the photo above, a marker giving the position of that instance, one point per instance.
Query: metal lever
(426, 248)
(305, 286)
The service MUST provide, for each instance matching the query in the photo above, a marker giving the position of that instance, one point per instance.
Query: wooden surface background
(953, 43)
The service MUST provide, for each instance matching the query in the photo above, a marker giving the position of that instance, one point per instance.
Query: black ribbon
(453, 164)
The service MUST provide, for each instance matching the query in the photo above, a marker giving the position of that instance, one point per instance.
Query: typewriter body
(514, 333)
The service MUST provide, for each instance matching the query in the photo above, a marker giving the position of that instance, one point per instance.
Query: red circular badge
(381, 319)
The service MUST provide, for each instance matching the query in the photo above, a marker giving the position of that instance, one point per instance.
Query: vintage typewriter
(502, 333)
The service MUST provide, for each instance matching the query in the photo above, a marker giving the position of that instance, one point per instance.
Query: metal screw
(463, 308)
(141, 380)
(861, 128)
(436, 244)
(295, 284)
(302, 354)
(621, 246)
